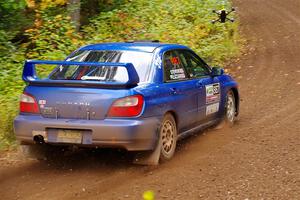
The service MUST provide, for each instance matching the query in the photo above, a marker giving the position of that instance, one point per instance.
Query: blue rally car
(140, 96)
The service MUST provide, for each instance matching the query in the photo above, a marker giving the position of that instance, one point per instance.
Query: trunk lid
(75, 102)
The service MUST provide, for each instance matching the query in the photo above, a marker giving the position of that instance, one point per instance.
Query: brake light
(130, 106)
(28, 104)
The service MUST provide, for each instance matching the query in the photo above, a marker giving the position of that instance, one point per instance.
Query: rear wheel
(168, 137)
(166, 144)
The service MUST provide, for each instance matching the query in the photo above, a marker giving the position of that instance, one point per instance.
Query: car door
(207, 87)
(183, 98)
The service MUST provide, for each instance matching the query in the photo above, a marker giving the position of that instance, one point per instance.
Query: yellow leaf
(74, 40)
(30, 3)
(69, 32)
(148, 195)
(61, 2)
(59, 17)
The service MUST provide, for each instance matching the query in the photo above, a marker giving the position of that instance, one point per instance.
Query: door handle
(173, 90)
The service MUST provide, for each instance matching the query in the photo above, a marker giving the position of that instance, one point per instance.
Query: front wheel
(230, 108)
(229, 116)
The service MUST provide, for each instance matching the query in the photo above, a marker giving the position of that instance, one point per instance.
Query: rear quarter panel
(158, 102)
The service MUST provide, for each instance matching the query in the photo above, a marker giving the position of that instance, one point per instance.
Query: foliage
(12, 21)
(185, 22)
(42, 29)
(11, 86)
(91, 8)
(12, 15)
(53, 39)
(51, 36)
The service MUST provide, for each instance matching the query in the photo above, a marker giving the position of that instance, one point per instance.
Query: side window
(173, 67)
(195, 67)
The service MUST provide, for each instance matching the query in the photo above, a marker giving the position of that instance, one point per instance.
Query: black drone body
(223, 16)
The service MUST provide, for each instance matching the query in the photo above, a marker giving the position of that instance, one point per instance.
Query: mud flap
(149, 157)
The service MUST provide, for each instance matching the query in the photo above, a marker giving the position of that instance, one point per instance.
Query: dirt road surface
(259, 158)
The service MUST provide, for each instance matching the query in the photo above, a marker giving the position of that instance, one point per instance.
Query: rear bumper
(131, 134)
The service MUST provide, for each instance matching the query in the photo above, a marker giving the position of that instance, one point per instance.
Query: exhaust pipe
(39, 139)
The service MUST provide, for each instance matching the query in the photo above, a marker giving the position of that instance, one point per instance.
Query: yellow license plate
(69, 136)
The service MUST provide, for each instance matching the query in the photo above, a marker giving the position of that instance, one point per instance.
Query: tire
(229, 115)
(230, 108)
(168, 137)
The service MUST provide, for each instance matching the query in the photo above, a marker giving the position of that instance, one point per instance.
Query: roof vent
(143, 41)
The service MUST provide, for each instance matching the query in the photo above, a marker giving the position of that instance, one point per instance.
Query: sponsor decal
(72, 103)
(212, 93)
(42, 102)
(177, 76)
(213, 108)
(177, 73)
(47, 110)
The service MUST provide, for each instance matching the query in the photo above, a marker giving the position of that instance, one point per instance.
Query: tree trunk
(74, 12)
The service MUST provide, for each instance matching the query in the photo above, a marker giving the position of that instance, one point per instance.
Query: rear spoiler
(30, 77)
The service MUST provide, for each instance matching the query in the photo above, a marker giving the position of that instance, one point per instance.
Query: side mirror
(217, 71)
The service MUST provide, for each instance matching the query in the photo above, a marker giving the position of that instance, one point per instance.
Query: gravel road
(259, 158)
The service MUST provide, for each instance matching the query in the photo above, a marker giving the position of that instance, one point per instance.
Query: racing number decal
(212, 93)
(212, 98)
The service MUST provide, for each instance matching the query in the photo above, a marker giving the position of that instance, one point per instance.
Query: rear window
(140, 60)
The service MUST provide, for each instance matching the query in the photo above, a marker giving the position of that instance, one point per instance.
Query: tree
(74, 12)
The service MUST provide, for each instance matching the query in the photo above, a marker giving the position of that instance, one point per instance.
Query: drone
(222, 16)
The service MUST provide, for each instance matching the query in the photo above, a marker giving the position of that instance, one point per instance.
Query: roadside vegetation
(52, 29)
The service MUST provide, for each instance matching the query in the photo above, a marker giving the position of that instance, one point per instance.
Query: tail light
(130, 106)
(28, 104)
